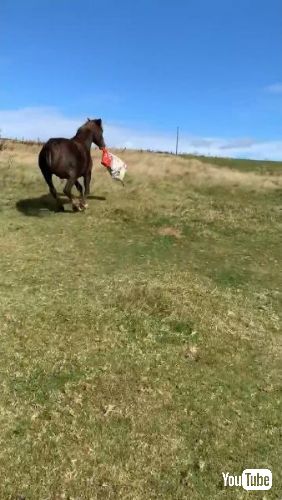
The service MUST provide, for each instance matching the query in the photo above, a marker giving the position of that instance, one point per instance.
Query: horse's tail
(45, 158)
(45, 163)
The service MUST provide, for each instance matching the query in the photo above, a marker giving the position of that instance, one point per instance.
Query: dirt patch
(170, 231)
(192, 353)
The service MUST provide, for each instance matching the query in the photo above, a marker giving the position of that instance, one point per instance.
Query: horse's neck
(84, 137)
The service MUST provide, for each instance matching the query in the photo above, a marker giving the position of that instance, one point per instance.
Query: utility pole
(177, 140)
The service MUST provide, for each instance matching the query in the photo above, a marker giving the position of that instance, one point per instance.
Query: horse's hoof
(76, 206)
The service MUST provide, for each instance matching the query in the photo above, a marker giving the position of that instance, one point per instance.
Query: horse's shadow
(45, 205)
(94, 197)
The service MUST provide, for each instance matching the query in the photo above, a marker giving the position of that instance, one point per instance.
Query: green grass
(134, 363)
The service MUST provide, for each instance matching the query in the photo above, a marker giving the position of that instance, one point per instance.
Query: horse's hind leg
(67, 190)
(48, 178)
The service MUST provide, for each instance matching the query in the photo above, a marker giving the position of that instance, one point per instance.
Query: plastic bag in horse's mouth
(116, 166)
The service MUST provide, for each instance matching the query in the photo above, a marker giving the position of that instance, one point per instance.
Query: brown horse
(70, 159)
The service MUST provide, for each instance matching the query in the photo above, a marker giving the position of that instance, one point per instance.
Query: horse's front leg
(67, 190)
(87, 180)
(79, 187)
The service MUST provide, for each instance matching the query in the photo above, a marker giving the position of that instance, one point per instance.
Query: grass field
(140, 345)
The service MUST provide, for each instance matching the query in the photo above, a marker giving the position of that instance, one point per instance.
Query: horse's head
(97, 131)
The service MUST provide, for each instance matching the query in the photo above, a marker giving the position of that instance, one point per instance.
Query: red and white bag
(116, 165)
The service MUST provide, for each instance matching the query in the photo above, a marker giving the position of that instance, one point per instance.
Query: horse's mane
(88, 126)
(85, 127)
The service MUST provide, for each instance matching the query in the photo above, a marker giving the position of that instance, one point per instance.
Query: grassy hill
(261, 167)
(140, 341)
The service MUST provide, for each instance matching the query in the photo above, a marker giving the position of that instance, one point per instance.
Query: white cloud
(33, 123)
(276, 88)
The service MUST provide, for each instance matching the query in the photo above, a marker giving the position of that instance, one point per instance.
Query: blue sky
(213, 67)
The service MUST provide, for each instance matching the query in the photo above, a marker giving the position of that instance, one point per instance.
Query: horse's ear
(99, 122)
(88, 119)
